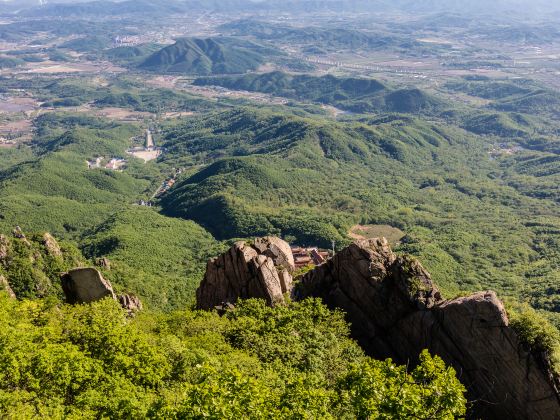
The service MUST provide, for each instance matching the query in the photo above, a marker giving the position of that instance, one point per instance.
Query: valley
(149, 137)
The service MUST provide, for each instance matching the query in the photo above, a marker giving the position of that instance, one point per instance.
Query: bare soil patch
(392, 234)
(16, 104)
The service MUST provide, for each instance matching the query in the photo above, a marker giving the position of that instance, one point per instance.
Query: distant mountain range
(471, 7)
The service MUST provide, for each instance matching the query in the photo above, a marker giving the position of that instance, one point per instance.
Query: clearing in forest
(392, 234)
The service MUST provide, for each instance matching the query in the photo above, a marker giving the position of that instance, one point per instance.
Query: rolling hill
(310, 179)
(352, 94)
(315, 37)
(208, 56)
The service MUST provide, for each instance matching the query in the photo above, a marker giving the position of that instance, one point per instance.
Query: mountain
(316, 37)
(208, 56)
(352, 94)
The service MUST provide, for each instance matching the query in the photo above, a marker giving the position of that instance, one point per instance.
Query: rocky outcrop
(4, 249)
(51, 245)
(5, 286)
(18, 234)
(85, 285)
(131, 303)
(103, 263)
(396, 311)
(278, 250)
(261, 270)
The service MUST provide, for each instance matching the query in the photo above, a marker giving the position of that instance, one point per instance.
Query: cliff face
(260, 271)
(396, 311)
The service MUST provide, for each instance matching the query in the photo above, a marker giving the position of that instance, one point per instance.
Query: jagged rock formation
(261, 271)
(85, 285)
(131, 303)
(396, 311)
(4, 248)
(51, 245)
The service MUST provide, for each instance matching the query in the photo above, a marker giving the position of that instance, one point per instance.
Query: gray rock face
(85, 285)
(259, 271)
(396, 311)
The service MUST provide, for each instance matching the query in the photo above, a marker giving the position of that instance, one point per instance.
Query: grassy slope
(160, 258)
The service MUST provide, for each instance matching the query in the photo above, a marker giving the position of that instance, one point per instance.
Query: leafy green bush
(536, 332)
(92, 361)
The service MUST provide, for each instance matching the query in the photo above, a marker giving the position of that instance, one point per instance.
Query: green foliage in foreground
(91, 361)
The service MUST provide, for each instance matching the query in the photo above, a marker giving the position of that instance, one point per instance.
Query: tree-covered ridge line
(198, 56)
(274, 173)
(352, 94)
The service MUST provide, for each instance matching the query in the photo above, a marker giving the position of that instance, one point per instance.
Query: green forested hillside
(141, 138)
(160, 258)
(357, 95)
(474, 223)
(131, 55)
(52, 189)
(318, 37)
(208, 56)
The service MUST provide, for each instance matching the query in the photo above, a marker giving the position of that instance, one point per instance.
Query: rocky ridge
(396, 311)
(260, 270)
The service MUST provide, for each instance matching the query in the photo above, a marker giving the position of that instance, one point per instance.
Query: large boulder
(396, 311)
(277, 249)
(260, 271)
(85, 285)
